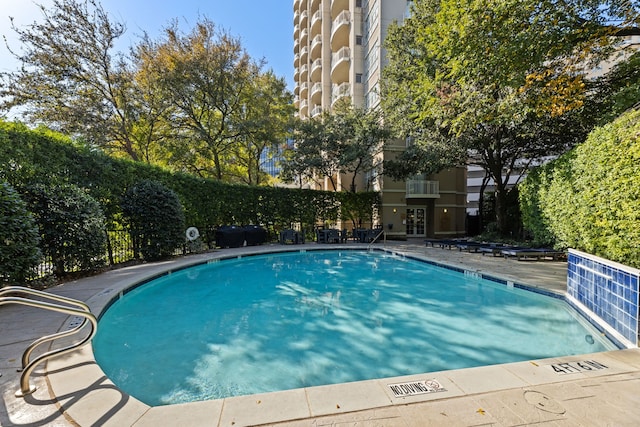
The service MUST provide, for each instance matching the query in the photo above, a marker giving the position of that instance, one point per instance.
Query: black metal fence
(119, 250)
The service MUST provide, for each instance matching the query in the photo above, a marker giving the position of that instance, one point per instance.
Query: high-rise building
(338, 53)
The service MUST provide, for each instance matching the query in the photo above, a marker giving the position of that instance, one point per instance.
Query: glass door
(415, 222)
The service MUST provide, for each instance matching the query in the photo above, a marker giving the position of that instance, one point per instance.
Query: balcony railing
(316, 44)
(316, 19)
(316, 111)
(317, 87)
(316, 67)
(340, 65)
(341, 55)
(422, 188)
(340, 30)
(339, 91)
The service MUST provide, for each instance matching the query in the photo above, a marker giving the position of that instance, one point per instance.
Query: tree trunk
(501, 207)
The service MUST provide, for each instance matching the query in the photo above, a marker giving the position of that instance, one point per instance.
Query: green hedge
(19, 240)
(589, 199)
(42, 156)
(155, 218)
(71, 225)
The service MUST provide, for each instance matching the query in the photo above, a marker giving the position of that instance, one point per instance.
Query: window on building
(358, 77)
(358, 3)
(359, 40)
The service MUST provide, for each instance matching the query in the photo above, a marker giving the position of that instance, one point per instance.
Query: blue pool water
(281, 321)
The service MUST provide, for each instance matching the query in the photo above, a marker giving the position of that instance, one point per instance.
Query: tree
(619, 89)
(502, 81)
(348, 140)
(207, 76)
(314, 155)
(70, 78)
(361, 135)
(266, 117)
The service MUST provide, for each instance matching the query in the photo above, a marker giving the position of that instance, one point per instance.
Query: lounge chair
(470, 246)
(531, 253)
(444, 243)
(494, 249)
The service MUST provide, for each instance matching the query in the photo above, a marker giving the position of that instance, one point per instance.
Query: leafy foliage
(72, 226)
(589, 199)
(193, 102)
(19, 239)
(155, 218)
(359, 208)
(70, 78)
(42, 156)
(504, 81)
(345, 141)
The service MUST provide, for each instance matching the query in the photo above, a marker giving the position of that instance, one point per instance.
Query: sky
(265, 27)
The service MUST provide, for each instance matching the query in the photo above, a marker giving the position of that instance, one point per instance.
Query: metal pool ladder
(51, 302)
(381, 233)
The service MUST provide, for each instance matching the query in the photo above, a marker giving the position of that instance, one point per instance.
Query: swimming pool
(281, 321)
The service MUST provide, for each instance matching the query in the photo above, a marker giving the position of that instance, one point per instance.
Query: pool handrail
(381, 233)
(82, 311)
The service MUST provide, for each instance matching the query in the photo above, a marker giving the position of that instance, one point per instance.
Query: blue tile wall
(608, 289)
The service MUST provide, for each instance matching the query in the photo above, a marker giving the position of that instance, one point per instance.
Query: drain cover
(544, 402)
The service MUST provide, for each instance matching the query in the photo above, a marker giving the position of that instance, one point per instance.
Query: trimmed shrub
(72, 227)
(589, 199)
(19, 252)
(155, 218)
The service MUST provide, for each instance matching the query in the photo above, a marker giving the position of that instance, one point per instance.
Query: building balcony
(316, 20)
(340, 30)
(316, 111)
(304, 107)
(338, 6)
(316, 47)
(304, 72)
(316, 93)
(296, 74)
(296, 101)
(296, 46)
(296, 4)
(304, 16)
(304, 54)
(340, 62)
(304, 37)
(314, 5)
(340, 91)
(296, 17)
(296, 89)
(316, 70)
(303, 5)
(421, 189)
(304, 89)
(296, 60)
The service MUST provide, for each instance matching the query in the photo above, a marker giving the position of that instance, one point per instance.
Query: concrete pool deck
(588, 390)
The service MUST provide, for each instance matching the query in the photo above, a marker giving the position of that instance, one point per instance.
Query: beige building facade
(338, 53)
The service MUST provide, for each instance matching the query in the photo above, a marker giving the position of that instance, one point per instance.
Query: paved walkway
(591, 390)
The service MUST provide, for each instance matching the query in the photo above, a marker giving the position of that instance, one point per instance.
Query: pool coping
(88, 397)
